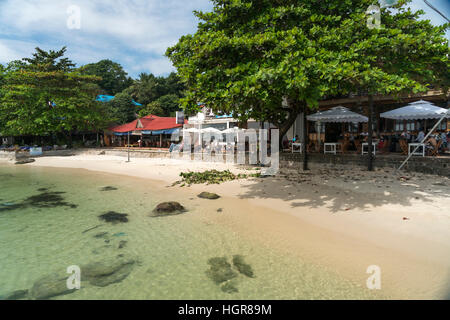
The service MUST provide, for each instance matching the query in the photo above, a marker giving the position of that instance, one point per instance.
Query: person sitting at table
(420, 136)
(405, 135)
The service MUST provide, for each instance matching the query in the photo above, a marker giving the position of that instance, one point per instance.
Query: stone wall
(431, 165)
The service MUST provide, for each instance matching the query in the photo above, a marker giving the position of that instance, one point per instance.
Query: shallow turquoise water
(44, 236)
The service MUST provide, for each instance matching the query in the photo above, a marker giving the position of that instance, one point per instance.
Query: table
(297, 145)
(417, 153)
(333, 146)
(374, 145)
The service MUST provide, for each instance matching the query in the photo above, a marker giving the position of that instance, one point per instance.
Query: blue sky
(134, 33)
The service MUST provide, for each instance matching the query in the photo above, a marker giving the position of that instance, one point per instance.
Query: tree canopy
(46, 94)
(268, 59)
(114, 79)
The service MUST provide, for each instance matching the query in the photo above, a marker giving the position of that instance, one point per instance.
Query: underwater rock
(208, 195)
(104, 273)
(50, 286)
(220, 270)
(100, 235)
(15, 295)
(48, 200)
(114, 217)
(242, 267)
(167, 209)
(24, 161)
(108, 188)
(122, 244)
(42, 189)
(228, 287)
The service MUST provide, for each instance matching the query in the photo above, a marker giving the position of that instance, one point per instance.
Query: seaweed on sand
(42, 200)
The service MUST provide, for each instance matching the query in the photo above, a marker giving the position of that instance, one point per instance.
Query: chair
(435, 146)
(404, 146)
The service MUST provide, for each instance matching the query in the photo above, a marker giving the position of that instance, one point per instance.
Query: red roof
(148, 123)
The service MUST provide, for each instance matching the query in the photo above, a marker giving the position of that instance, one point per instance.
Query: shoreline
(332, 221)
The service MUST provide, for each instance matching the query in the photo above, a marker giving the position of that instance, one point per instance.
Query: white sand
(347, 219)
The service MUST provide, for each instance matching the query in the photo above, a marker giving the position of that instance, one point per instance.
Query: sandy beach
(346, 219)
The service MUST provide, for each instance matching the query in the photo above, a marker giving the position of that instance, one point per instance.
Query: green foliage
(269, 59)
(211, 177)
(114, 78)
(45, 94)
(121, 109)
(159, 95)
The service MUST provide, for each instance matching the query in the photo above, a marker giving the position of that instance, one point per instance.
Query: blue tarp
(121, 133)
(158, 132)
(105, 98)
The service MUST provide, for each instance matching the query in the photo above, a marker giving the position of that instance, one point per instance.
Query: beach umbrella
(419, 110)
(210, 130)
(337, 114)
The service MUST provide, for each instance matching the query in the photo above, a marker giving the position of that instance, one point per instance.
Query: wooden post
(160, 140)
(128, 147)
(370, 133)
(305, 141)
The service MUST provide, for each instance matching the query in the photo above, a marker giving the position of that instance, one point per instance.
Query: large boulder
(15, 295)
(50, 286)
(168, 209)
(24, 161)
(104, 273)
(208, 195)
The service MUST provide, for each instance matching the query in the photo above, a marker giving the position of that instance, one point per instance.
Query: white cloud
(129, 31)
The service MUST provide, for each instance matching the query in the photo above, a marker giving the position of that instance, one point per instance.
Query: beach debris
(167, 209)
(220, 210)
(108, 188)
(95, 227)
(220, 270)
(104, 273)
(114, 217)
(406, 218)
(119, 234)
(242, 267)
(208, 195)
(50, 286)
(24, 161)
(15, 295)
(101, 153)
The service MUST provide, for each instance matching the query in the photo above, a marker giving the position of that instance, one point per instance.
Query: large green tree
(121, 109)
(46, 94)
(114, 78)
(271, 59)
(160, 92)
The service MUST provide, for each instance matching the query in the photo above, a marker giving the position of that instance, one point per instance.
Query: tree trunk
(370, 133)
(305, 141)
(286, 125)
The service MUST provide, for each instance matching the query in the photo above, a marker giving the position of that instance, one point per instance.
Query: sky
(134, 33)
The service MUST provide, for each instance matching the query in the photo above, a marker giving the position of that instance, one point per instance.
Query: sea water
(49, 220)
